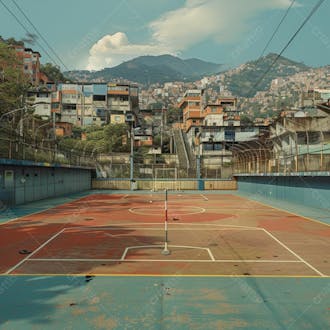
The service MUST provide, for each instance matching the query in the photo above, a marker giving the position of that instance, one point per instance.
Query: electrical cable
(277, 28)
(315, 8)
(39, 34)
(27, 31)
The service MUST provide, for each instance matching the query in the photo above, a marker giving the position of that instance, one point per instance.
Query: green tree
(53, 73)
(13, 82)
(114, 137)
(246, 120)
(174, 115)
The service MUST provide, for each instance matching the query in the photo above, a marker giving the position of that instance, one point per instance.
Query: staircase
(187, 160)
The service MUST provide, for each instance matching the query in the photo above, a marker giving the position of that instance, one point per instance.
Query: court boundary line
(27, 258)
(161, 224)
(35, 251)
(163, 260)
(122, 259)
(294, 253)
(86, 229)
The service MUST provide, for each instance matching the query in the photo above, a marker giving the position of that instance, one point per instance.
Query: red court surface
(209, 235)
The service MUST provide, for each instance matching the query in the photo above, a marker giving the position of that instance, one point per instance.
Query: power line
(39, 34)
(315, 8)
(277, 28)
(27, 31)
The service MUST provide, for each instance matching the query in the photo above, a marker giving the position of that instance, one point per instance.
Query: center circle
(184, 210)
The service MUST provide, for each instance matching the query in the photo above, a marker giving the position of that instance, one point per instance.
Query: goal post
(166, 178)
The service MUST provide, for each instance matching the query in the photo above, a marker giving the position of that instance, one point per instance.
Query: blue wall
(312, 191)
(32, 183)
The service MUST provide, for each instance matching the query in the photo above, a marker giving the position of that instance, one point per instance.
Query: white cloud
(221, 20)
(198, 20)
(113, 49)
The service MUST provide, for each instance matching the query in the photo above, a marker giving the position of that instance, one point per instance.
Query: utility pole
(131, 177)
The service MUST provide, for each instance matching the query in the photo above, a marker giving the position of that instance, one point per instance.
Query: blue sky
(104, 33)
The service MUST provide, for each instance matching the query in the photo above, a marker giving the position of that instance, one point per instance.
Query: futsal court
(202, 235)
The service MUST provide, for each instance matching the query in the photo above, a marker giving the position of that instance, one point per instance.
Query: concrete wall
(165, 184)
(312, 191)
(31, 183)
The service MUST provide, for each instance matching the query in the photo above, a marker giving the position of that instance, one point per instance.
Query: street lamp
(10, 112)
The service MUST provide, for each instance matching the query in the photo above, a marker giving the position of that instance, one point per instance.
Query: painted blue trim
(159, 179)
(318, 173)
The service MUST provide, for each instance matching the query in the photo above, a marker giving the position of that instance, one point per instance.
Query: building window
(123, 98)
(69, 107)
(98, 97)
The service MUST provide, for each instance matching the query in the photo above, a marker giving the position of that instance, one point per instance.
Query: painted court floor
(94, 261)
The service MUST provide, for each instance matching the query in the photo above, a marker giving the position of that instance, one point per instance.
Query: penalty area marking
(161, 246)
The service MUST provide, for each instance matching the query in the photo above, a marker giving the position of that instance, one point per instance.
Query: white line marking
(134, 224)
(210, 254)
(146, 211)
(205, 198)
(34, 252)
(112, 235)
(161, 246)
(295, 254)
(166, 260)
(154, 229)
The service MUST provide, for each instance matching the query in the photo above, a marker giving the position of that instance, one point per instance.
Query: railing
(181, 149)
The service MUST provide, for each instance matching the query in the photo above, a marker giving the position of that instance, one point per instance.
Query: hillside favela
(162, 168)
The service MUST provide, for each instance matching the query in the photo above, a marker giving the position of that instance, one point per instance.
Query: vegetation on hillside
(242, 83)
(53, 73)
(13, 82)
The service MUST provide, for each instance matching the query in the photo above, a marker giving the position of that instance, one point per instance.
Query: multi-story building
(86, 104)
(69, 100)
(30, 63)
(122, 99)
(213, 128)
(192, 105)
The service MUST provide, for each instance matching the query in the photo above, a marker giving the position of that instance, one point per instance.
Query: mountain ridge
(150, 69)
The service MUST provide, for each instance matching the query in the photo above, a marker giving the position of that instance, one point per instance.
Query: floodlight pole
(166, 250)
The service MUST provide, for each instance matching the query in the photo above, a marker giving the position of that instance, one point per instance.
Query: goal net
(166, 178)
